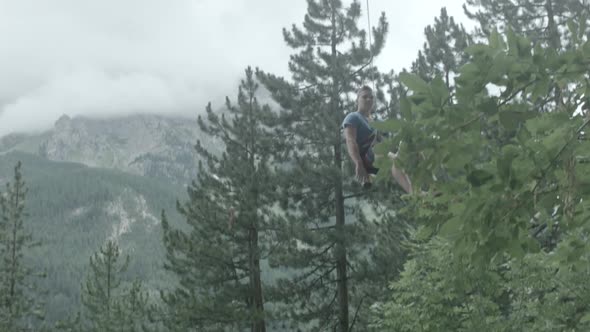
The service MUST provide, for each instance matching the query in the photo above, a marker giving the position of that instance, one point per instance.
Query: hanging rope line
(370, 31)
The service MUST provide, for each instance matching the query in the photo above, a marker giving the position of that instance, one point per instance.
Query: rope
(370, 46)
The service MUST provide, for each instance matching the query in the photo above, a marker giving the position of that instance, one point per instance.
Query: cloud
(99, 94)
(113, 57)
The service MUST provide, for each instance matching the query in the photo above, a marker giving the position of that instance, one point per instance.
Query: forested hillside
(72, 210)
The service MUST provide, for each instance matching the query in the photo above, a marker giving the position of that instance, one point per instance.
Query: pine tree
(558, 24)
(108, 305)
(131, 310)
(19, 305)
(230, 221)
(444, 50)
(544, 21)
(101, 292)
(326, 237)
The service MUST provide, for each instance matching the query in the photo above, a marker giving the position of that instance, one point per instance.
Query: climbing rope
(370, 31)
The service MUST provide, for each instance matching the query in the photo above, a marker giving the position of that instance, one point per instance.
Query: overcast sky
(114, 57)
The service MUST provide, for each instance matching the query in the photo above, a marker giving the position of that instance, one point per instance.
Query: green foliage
(504, 161)
(431, 296)
(500, 157)
(535, 293)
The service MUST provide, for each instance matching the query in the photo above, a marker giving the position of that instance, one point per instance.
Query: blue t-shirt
(365, 134)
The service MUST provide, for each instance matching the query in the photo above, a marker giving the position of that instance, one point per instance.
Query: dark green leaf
(405, 108)
(512, 119)
(452, 228)
(391, 125)
(504, 161)
(413, 82)
(489, 106)
(479, 177)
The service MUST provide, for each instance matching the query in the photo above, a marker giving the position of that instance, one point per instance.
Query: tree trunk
(552, 32)
(340, 247)
(258, 324)
(341, 260)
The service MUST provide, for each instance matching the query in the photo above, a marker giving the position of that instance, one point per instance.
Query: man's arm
(352, 146)
(354, 153)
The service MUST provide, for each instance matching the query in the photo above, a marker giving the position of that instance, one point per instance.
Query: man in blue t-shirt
(360, 137)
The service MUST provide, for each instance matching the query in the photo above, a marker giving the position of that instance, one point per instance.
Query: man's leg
(400, 176)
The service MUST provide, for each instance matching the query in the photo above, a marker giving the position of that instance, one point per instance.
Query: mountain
(148, 145)
(73, 209)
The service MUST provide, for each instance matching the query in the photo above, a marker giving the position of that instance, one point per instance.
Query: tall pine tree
(326, 238)
(19, 303)
(230, 221)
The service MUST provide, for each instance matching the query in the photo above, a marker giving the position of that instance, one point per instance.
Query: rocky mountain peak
(149, 145)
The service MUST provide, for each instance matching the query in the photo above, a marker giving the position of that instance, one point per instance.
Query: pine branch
(350, 75)
(320, 278)
(356, 312)
(318, 228)
(362, 193)
(327, 310)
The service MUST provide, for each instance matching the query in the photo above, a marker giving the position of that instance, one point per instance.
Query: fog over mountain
(102, 59)
(148, 145)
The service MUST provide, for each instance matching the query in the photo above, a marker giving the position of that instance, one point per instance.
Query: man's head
(365, 99)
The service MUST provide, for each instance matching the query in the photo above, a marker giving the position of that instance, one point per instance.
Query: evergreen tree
(19, 304)
(558, 24)
(99, 291)
(132, 309)
(230, 220)
(327, 239)
(543, 21)
(107, 305)
(443, 52)
(394, 89)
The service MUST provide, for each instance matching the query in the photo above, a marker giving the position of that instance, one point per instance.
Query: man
(360, 137)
